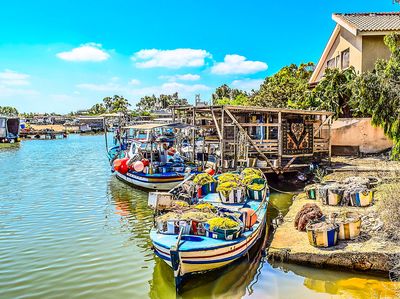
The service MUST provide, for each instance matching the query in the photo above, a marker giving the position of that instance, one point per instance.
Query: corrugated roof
(383, 21)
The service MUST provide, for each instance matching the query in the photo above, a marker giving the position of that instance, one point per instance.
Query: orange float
(210, 171)
(117, 164)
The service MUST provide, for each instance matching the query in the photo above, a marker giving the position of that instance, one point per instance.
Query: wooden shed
(273, 139)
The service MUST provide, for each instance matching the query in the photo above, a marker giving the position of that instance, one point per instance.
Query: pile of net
(309, 212)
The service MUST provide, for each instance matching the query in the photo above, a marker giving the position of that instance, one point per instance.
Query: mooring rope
(285, 192)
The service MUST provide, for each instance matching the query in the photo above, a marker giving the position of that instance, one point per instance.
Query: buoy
(145, 162)
(138, 166)
(210, 171)
(123, 168)
(171, 151)
(251, 217)
(117, 164)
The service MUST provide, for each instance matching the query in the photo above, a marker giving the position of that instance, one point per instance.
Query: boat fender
(249, 217)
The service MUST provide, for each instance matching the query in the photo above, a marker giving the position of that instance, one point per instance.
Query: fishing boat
(9, 129)
(145, 156)
(191, 241)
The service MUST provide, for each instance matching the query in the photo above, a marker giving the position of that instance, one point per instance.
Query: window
(345, 58)
(338, 61)
(330, 63)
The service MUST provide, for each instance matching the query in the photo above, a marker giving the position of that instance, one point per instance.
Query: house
(357, 41)
(90, 123)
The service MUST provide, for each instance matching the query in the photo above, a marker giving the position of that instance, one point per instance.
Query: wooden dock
(275, 140)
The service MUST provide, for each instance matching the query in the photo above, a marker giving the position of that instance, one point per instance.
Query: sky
(62, 56)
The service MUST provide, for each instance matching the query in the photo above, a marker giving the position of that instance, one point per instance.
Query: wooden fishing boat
(143, 156)
(189, 252)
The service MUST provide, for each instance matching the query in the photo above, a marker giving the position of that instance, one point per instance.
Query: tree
(115, 104)
(287, 88)
(97, 109)
(151, 103)
(333, 92)
(8, 111)
(225, 95)
(378, 93)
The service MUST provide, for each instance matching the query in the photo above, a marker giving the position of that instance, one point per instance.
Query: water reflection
(343, 284)
(131, 205)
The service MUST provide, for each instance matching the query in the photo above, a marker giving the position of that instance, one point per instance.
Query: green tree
(333, 92)
(287, 88)
(378, 93)
(97, 109)
(115, 104)
(8, 111)
(151, 103)
(224, 95)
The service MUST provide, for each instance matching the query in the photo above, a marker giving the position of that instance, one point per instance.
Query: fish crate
(223, 234)
(236, 195)
(257, 194)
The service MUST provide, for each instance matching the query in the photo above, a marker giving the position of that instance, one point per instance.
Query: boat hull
(162, 183)
(206, 259)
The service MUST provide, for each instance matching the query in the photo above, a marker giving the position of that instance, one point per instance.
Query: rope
(284, 192)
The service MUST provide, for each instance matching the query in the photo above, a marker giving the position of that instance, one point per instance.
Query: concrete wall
(373, 48)
(344, 40)
(359, 133)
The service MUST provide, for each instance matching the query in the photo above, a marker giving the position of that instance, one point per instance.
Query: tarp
(150, 126)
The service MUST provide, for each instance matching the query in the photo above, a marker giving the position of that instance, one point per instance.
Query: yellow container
(350, 227)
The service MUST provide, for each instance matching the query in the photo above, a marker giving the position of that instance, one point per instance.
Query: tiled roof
(383, 21)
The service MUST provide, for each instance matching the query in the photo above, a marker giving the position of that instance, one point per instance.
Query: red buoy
(145, 162)
(123, 168)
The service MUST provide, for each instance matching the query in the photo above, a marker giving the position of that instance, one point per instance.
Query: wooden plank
(289, 163)
(254, 125)
(327, 120)
(216, 124)
(280, 139)
(250, 140)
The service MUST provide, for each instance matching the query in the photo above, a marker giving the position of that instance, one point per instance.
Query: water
(70, 229)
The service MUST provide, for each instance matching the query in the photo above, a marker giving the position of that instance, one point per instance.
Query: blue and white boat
(145, 142)
(188, 252)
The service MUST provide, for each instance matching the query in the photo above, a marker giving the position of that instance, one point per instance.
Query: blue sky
(61, 56)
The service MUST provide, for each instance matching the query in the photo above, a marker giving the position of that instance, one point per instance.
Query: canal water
(69, 229)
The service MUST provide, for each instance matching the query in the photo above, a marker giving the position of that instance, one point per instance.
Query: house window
(345, 58)
(338, 61)
(330, 63)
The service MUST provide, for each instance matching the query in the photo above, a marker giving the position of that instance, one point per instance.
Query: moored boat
(145, 156)
(192, 234)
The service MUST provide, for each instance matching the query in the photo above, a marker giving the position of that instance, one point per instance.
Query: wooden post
(194, 134)
(330, 140)
(280, 140)
(222, 140)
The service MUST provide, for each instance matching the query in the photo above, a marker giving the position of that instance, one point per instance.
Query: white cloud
(134, 82)
(177, 58)
(247, 84)
(237, 64)
(185, 77)
(85, 52)
(9, 77)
